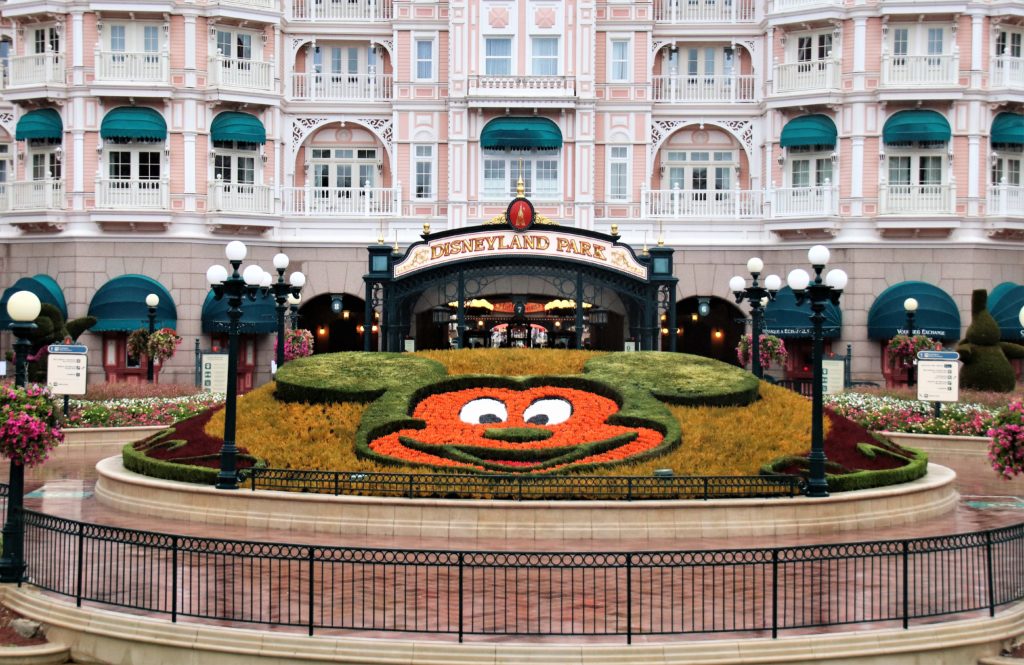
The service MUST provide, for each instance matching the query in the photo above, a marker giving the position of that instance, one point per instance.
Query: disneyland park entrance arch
(579, 266)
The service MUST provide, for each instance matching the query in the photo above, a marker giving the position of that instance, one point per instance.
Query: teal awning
(784, 318)
(40, 124)
(521, 134)
(133, 123)
(258, 316)
(1004, 303)
(916, 125)
(1008, 128)
(120, 305)
(235, 126)
(45, 288)
(809, 130)
(937, 314)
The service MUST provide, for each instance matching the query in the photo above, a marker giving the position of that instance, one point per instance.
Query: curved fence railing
(752, 591)
(524, 486)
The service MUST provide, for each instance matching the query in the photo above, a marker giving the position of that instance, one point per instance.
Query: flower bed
(883, 413)
(138, 412)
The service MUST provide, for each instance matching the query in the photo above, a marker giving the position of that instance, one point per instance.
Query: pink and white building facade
(139, 137)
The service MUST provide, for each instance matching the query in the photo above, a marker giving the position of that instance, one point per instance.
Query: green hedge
(916, 467)
(352, 376)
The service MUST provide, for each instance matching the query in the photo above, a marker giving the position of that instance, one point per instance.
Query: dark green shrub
(986, 364)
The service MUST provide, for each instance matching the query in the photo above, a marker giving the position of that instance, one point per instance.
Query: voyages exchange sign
(499, 242)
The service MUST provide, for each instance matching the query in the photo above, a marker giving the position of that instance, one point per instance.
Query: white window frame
(432, 39)
(627, 161)
(915, 152)
(706, 158)
(51, 33)
(7, 160)
(612, 39)
(558, 54)
(816, 37)
(255, 43)
(813, 155)
(1006, 156)
(917, 38)
(512, 60)
(51, 156)
(135, 36)
(135, 148)
(431, 161)
(511, 158)
(1013, 42)
(235, 152)
(355, 162)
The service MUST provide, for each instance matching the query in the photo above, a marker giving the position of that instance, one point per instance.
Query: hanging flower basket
(29, 426)
(772, 348)
(903, 348)
(298, 343)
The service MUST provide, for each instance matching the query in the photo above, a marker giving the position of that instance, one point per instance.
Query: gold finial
(396, 250)
(615, 229)
(380, 240)
(426, 229)
(520, 187)
(645, 252)
(661, 242)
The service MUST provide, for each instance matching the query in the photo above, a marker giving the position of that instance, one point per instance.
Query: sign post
(938, 377)
(215, 372)
(67, 370)
(833, 376)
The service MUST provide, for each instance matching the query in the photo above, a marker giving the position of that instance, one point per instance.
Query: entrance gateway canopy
(578, 265)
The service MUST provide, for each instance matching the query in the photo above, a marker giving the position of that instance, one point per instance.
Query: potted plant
(298, 343)
(29, 424)
(772, 348)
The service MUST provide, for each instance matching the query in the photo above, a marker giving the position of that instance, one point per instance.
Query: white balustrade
(37, 69)
(341, 201)
(35, 195)
(241, 74)
(258, 4)
(132, 67)
(678, 88)
(340, 10)
(5, 196)
(1006, 72)
(686, 203)
(524, 86)
(811, 76)
(341, 87)
(804, 201)
(131, 194)
(792, 5)
(922, 70)
(1006, 200)
(704, 11)
(241, 198)
(916, 199)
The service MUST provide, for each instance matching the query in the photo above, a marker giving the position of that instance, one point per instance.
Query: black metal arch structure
(465, 279)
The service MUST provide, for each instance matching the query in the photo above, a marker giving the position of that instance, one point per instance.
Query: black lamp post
(758, 296)
(236, 287)
(23, 308)
(293, 309)
(152, 300)
(910, 307)
(819, 293)
(281, 291)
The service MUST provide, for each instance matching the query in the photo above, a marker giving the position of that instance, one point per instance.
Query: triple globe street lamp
(758, 296)
(152, 301)
(910, 307)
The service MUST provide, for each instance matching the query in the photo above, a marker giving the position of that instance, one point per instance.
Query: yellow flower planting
(512, 362)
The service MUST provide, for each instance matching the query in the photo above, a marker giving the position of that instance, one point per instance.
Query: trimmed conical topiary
(986, 363)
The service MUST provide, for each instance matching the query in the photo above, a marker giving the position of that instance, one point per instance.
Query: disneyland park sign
(519, 236)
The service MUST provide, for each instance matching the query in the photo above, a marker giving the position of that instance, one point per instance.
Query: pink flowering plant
(162, 344)
(138, 341)
(1006, 451)
(772, 348)
(892, 414)
(903, 348)
(139, 412)
(298, 343)
(29, 425)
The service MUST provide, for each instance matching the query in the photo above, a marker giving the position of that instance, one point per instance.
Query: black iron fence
(524, 486)
(750, 591)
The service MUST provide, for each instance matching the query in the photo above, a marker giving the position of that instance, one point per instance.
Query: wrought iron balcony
(132, 67)
(680, 89)
(241, 74)
(246, 199)
(1006, 72)
(804, 201)
(1006, 200)
(341, 201)
(704, 11)
(920, 70)
(117, 194)
(32, 195)
(814, 76)
(368, 87)
(696, 204)
(346, 11)
(916, 199)
(37, 69)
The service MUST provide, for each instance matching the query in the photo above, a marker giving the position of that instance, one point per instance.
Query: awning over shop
(916, 125)
(809, 130)
(235, 126)
(120, 305)
(521, 134)
(1004, 303)
(40, 124)
(937, 315)
(45, 288)
(1008, 128)
(133, 123)
(258, 316)
(784, 318)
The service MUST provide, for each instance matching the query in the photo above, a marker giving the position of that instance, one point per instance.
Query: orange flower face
(505, 430)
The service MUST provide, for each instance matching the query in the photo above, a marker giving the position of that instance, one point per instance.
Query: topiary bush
(52, 328)
(986, 359)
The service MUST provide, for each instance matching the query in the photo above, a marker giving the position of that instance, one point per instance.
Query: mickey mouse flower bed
(533, 412)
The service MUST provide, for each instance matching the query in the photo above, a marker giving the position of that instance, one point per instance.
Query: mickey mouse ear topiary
(353, 376)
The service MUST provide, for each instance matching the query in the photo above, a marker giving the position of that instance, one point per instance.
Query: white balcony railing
(814, 76)
(32, 195)
(793, 5)
(257, 4)
(805, 201)
(38, 69)
(1006, 200)
(1006, 72)
(239, 74)
(704, 11)
(341, 201)
(132, 194)
(679, 89)
(686, 203)
(924, 70)
(340, 10)
(241, 198)
(125, 67)
(916, 199)
(341, 87)
(512, 87)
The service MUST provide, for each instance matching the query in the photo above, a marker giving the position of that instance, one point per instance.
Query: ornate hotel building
(138, 137)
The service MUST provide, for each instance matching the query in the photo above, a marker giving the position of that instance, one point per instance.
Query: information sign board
(66, 373)
(938, 380)
(215, 372)
(833, 376)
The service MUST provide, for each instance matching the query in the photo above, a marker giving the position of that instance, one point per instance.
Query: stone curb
(42, 654)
